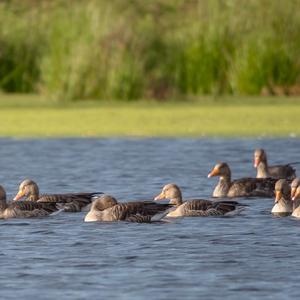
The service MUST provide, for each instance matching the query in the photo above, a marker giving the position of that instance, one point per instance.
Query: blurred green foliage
(154, 49)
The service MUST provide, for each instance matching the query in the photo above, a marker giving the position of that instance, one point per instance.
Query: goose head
(29, 189)
(172, 192)
(221, 169)
(2, 193)
(294, 185)
(296, 196)
(103, 202)
(259, 156)
(282, 191)
(3, 204)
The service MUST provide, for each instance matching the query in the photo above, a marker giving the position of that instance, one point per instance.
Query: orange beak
(278, 196)
(256, 162)
(161, 196)
(214, 172)
(296, 195)
(20, 195)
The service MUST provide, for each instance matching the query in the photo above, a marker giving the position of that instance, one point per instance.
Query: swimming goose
(22, 209)
(283, 204)
(107, 209)
(264, 170)
(196, 207)
(296, 203)
(294, 185)
(71, 202)
(244, 187)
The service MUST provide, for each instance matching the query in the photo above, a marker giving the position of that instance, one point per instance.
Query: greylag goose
(264, 170)
(283, 204)
(107, 209)
(22, 209)
(70, 202)
(294, 185)
(196, 207)
(244, 187)
(296, 203)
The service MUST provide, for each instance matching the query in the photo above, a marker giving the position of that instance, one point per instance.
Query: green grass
(246, 117)
(131, 50)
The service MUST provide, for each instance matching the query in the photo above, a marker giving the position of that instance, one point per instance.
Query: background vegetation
(133, 49)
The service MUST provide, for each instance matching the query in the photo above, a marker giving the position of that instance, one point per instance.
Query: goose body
(244, 187)
(296, 211)
(28, 209)
(107, 209)
(195, 207)
(283, 205)
(70, 202)
(264, 170)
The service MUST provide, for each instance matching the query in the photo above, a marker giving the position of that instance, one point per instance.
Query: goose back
(282, 171)
(123, 211)
(204, 208)
(252, 187)
(28, 209)
(71, 202)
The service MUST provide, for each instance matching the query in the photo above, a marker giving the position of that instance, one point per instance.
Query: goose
(107, 209)
(294, 185)
(24, 209)
(296, 203)
(264, 170)
(283, 204)
(195, 207)
(70, 202)
(243, 187)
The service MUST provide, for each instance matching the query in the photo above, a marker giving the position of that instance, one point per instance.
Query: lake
(250, 256)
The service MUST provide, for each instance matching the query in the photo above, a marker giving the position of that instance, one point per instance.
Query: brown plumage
(244, 187)
(23, 209)
(264, 170)
(71, 202)
(107, 209)
(195, 207)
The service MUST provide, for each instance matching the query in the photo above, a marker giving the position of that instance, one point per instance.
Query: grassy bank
(246, 117)
(149, 49)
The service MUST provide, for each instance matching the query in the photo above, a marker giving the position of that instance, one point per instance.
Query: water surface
(250, 256)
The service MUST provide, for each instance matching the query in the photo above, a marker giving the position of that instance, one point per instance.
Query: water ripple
(250, 256)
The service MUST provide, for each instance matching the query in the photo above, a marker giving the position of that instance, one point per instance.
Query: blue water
(250, 256)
